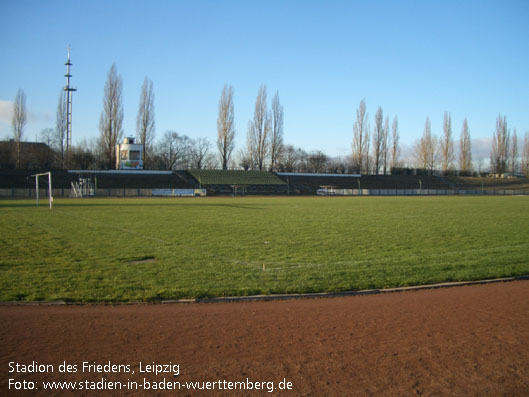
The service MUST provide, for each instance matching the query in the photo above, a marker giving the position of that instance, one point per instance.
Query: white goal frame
(50, 197)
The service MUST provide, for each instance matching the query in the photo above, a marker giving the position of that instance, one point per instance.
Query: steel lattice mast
(69, 92)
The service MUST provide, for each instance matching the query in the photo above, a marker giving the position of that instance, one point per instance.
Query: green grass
(203, 247)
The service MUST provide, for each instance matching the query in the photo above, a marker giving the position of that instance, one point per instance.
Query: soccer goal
(50, 197)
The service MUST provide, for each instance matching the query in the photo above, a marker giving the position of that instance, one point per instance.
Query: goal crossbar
(50, 197)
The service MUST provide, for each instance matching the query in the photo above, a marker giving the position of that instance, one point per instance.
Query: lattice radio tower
(69, 90)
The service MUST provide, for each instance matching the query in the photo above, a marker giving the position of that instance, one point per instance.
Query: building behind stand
(129, 155)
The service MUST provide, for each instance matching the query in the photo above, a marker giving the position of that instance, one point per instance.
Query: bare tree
(259, 130)
(339, 165)
(395, 149)
(47, 136)
(465, 149)
(302, 160)
(248, 156)
(525, 155)
(111, 120)
(145, 124)
(426, 148)
(61, 127)
(514, 152)
(18, 121)
(499, 155)
(276, 141)
(200, 153)
(173, 150)
(368, 160)
(360, 155)
(226, 126)
(447, 144)
(385, 145)
(317, 162)
(378, 137)
(211, 162)
(289, 159)
(84, 156)
(245, 160)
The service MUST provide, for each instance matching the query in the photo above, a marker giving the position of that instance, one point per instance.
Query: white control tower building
(129, 155)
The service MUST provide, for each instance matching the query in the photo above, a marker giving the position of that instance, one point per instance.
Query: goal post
(50, 197)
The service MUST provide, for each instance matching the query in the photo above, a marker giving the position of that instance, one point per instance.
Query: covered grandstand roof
(318, 174)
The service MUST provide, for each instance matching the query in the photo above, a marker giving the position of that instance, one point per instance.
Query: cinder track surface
(460, 341)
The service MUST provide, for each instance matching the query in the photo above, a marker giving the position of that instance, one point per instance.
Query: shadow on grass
(110, 204)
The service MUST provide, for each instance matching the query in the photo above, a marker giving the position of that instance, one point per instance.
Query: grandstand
(475, 183)
(62, 179)
(238, 181)
(136, 179)
(21, 179)
(310, 183)
(19, 183)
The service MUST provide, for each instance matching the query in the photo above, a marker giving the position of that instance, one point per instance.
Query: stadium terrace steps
(475, 183)
(62, 179)
(239, 181)
(141, 181)
(187, 178)
(225, 182)
(309, 184)
(22, 179)
(235, 177)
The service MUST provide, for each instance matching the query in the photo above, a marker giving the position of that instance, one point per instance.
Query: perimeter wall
(337, 192)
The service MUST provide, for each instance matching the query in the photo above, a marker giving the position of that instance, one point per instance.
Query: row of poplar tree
(375, 150)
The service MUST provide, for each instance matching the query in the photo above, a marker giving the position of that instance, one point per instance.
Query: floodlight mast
(69, 90)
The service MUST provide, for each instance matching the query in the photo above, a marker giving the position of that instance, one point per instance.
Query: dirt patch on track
(457, 341)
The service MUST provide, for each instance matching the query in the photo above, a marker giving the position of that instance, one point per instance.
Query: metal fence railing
(417, 192)
(330, 192)
(21, 193)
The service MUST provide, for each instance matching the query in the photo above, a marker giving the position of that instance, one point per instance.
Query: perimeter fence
(418, 192)
(21, 193)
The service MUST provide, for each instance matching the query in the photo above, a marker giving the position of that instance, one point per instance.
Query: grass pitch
(108, 250)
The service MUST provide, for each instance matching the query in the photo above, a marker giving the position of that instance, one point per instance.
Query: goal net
(37, 177)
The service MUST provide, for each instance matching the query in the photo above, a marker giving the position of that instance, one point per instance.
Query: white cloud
(6, 111)
(407, 155)
(39, 117)
(481, 148)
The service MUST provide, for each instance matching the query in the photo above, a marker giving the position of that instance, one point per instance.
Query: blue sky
(413, 58)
